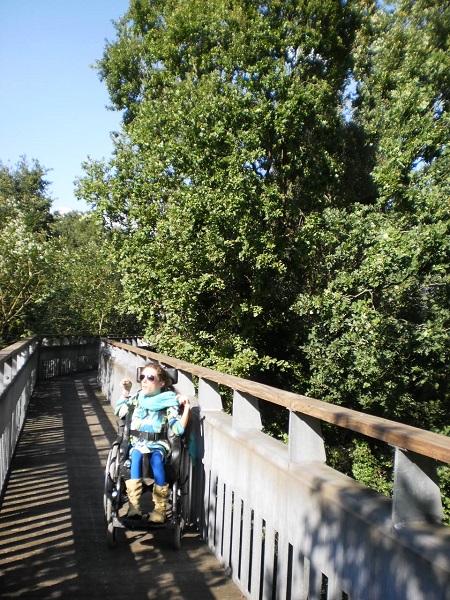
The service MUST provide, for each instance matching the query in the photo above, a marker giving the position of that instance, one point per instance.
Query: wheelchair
(117, 471)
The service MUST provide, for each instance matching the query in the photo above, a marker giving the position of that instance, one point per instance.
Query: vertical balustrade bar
(236, 537)
(213, 512)
(269, 553)
(255, 582)
(228, 516)
(246, 557)
(334, 591)
(2, 377)
(207, 522)
(282, 566)
(315, 583)
(220, 507)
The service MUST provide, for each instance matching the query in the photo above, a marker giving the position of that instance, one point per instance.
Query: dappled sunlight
(52, 526)
(36, 541)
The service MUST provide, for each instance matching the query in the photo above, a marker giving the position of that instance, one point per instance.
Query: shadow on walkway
(52, 528)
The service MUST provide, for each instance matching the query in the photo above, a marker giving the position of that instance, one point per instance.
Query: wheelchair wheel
(177, 529)
(112, 509)
(111, 493)
(177, 536)
(111, 474)
(111, 535)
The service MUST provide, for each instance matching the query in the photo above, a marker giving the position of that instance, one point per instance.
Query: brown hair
(162, 374)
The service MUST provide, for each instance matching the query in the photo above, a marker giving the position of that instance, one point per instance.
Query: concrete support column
(246, 411)
(185, 384)
(305, 439)
(417, 497)
(208, 395)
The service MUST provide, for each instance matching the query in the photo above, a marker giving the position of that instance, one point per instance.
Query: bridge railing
(18, 372)
(282, 522)
(64, 355)
(25, 362)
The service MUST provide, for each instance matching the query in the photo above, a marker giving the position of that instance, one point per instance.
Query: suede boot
(134, 491)
(159, 496)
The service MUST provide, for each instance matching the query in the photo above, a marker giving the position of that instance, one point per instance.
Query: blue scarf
(157, 402)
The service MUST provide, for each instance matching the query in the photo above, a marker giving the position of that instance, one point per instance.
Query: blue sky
(52, 104)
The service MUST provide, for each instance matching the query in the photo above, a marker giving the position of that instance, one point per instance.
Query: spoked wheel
(112, 510)
(111, 474)
(111, 494)
(176, 506)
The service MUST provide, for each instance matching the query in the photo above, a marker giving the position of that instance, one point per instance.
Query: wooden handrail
(14, 349)
(407, 437)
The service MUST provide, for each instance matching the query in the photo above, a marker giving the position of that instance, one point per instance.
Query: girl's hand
(126, 384)
(185, 412)
(183, 400)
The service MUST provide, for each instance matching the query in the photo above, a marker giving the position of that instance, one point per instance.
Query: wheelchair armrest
(123, 430)
(121, 423)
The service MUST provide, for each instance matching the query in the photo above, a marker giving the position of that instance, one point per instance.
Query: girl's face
(151, 385)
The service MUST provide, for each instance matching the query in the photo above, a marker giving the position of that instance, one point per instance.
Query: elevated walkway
(52, 528)
(279, 522)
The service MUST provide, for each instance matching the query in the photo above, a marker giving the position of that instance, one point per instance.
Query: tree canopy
(276, 205)
(24, 190)
(57, 273)
(232, 136)
(24, 223)
(279, 196)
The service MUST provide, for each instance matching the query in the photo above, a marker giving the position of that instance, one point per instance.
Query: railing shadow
(52, 528)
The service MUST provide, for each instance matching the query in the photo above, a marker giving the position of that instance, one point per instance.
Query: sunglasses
(147, 377)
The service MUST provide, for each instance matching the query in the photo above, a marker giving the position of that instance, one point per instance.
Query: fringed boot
(159, 496)
(134, 491)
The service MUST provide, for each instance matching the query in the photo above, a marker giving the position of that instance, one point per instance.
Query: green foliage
(378, 319)
(378, 336)
(231, 111)
(57, 272)
(371, 467)
(23, 194)
(84, 288)
(261, 229)
(404, 102)
(24, 264)
(25, 257)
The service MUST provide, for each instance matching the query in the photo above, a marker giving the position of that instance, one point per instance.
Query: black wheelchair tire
(111, 473)
(177, 536)
(111, 535)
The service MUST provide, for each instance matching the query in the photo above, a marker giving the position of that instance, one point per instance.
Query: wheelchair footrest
(142, 524)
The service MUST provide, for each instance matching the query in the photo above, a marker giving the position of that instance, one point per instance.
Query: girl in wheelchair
(156, 413)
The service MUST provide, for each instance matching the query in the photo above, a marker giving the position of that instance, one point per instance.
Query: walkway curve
(52, 529)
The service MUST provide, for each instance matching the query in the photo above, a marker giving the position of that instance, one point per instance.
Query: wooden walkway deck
(52, 528)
